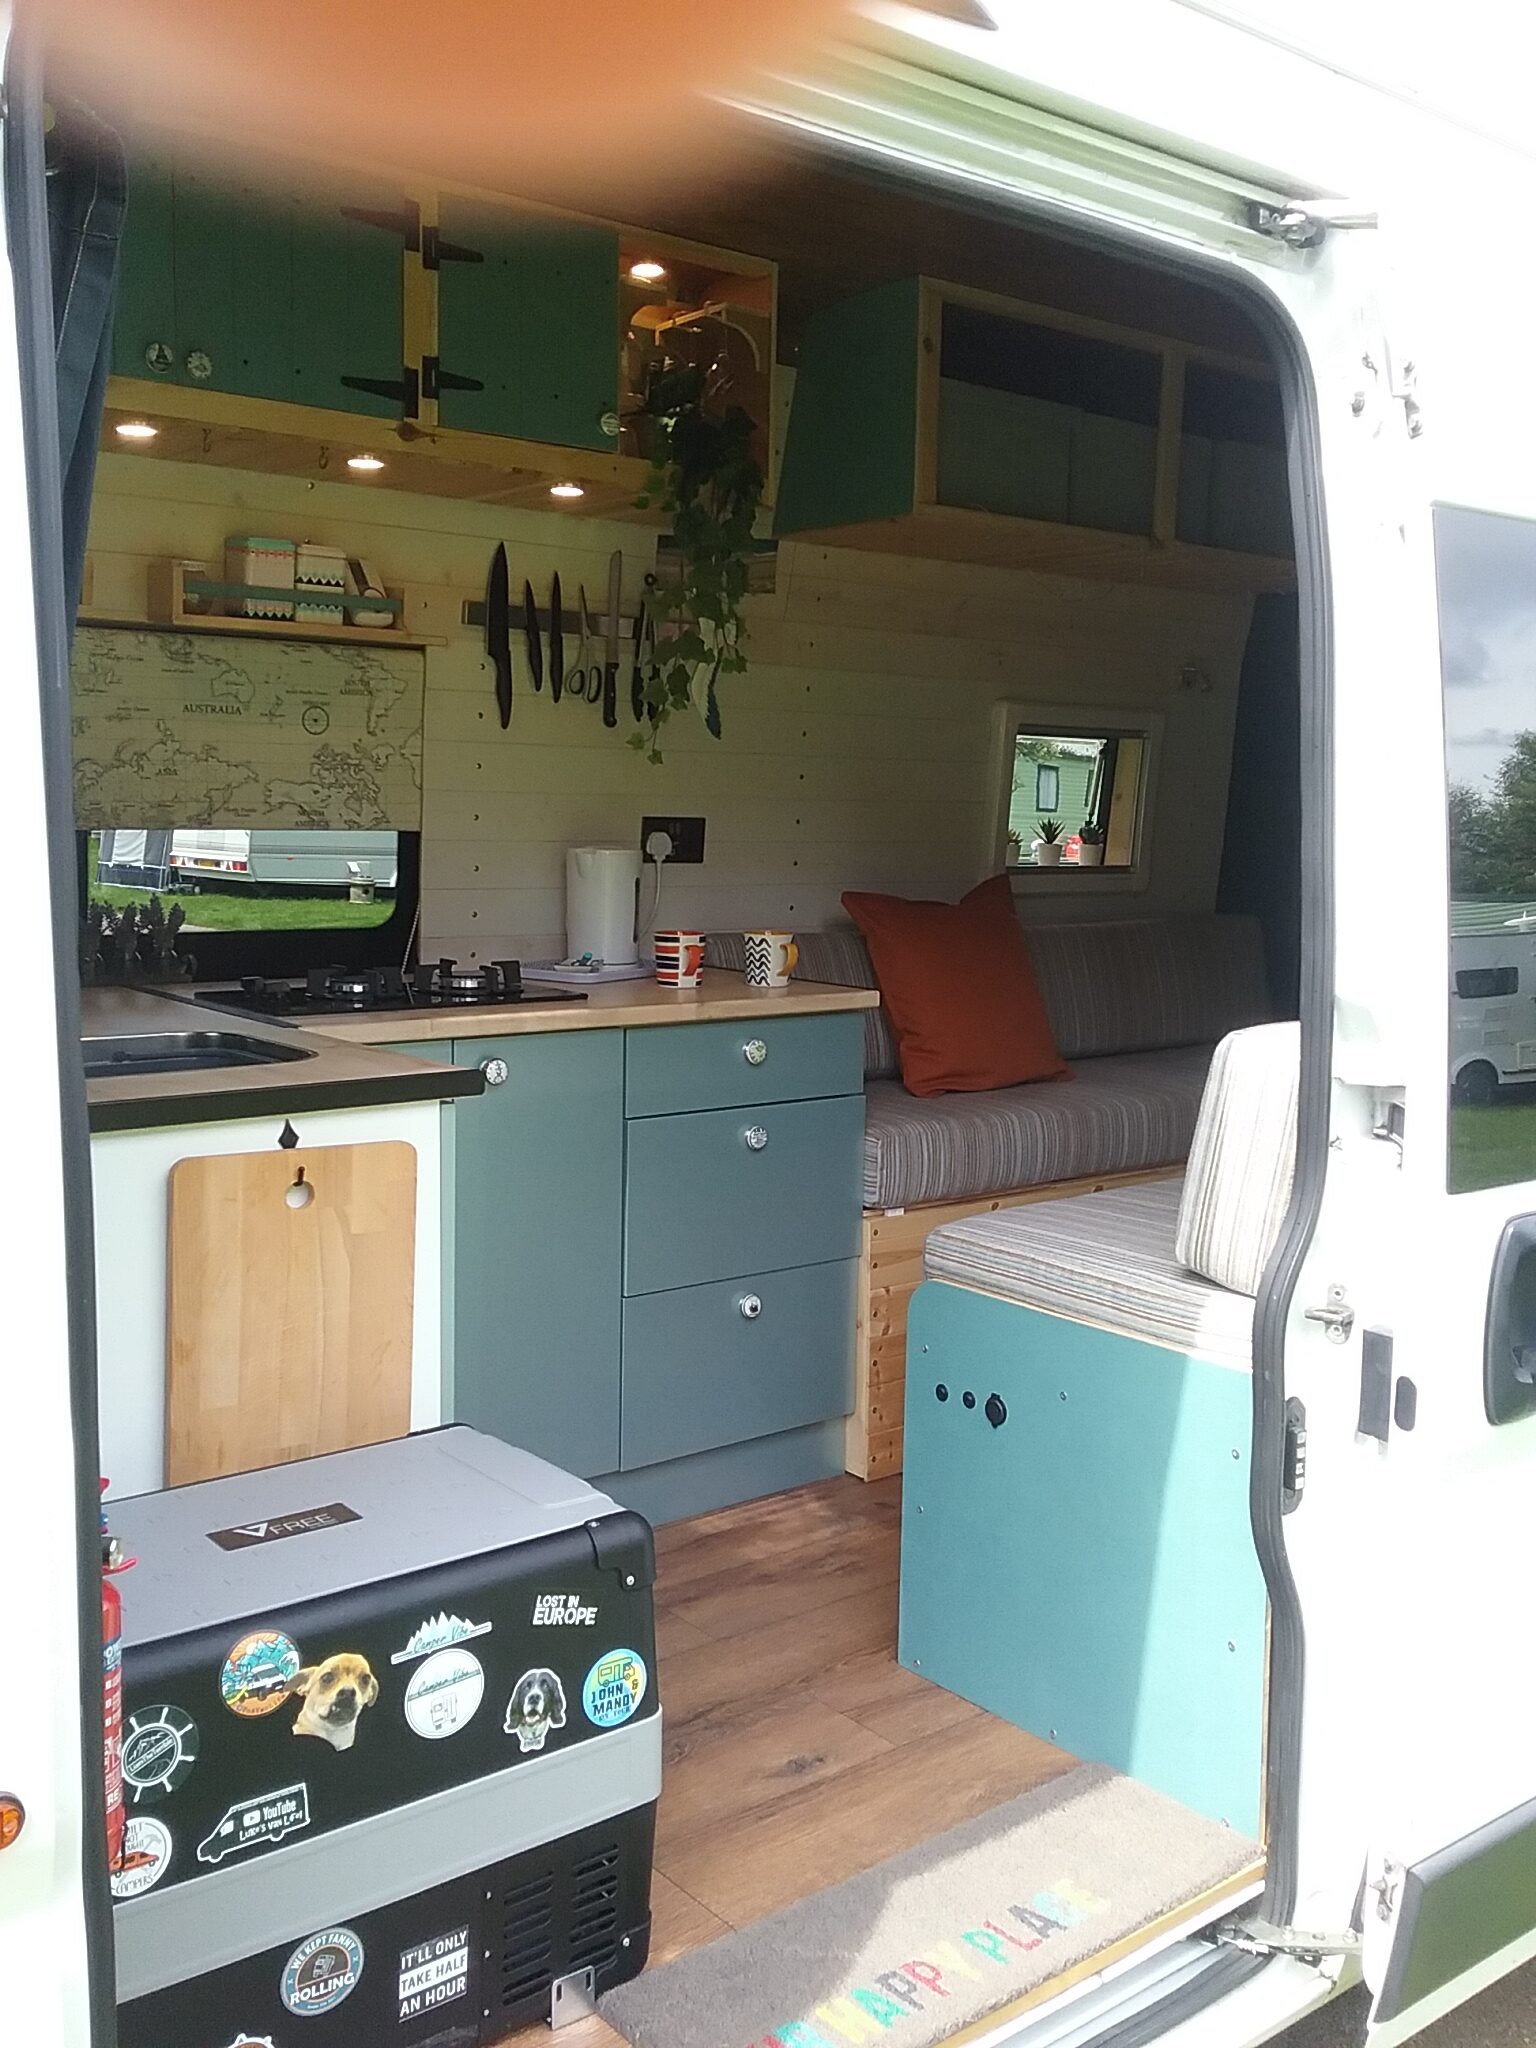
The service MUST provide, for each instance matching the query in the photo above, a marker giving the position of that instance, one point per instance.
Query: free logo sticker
(537, 1705)
(145, 1859)
(444, 1694)
(562, 1610)
(252, 2041)
(614, 1689)
(159, 1750)
(442, 1632)
(265, 1819)
(433, 1973)
(322, 1971)
(258, 1673)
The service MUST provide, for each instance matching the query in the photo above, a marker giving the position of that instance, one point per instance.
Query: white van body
(1493, 1010)
(309, 860)
(1366, 185)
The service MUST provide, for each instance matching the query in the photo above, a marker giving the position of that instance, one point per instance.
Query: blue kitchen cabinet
(537, 1230)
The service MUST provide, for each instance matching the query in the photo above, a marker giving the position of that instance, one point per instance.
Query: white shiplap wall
(857, 749)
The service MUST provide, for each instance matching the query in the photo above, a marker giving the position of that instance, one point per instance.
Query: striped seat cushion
(1145, 983)
(1243, 1158)
(1105, 1259)
(1112, 1116)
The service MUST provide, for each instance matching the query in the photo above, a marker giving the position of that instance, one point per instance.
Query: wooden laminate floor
(798, 1752)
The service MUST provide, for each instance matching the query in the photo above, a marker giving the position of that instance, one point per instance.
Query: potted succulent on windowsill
(1047, 843)
(1090, 845)
(1015, 850)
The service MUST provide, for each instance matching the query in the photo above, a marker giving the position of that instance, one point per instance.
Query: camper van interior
(898, 1265)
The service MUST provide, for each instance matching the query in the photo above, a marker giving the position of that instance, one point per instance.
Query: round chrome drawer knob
(199, 364)
(159, 358)
(495, 1072)
(756, 1137)
(754, 1052)
(751, 1306)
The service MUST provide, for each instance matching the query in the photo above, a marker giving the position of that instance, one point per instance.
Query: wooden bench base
(890, 1267)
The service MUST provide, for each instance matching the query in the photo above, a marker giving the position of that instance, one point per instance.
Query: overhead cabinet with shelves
(930, 420)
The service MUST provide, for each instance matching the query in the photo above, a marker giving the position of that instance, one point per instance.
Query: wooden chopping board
(292, 1277)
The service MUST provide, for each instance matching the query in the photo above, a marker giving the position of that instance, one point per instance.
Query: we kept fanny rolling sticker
(322, 1971)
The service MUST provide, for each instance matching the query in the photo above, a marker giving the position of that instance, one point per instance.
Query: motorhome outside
(941, 1460)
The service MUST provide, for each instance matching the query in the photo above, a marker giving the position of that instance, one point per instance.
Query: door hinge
(1304, 223)
(1263, 1938)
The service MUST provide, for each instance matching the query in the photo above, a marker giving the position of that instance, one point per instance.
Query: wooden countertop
(611, 1006)
(332, 1076)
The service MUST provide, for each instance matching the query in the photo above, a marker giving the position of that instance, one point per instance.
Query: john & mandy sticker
(614, 1689)
(265, 1819)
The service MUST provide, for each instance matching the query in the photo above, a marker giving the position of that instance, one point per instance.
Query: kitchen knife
(498, 633)
(556, 642)
(531, 635)
(611, 639)
(637, 672)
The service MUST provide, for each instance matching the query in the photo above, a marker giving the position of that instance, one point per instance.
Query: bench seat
(1104, 1259)
(1119, 1114)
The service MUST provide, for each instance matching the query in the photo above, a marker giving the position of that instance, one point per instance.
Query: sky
(1485, 567)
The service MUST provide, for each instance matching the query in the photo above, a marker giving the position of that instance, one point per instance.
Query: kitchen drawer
(761, 1059)
(702, 1369)
(730, 1191)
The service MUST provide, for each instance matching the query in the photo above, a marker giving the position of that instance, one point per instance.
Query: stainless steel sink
(183, 1052)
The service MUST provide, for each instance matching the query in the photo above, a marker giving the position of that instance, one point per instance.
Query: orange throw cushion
(960, 991)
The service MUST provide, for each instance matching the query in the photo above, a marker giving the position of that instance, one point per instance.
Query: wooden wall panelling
(890, 1272)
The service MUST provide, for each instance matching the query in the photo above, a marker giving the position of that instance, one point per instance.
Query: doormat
(918, 1947)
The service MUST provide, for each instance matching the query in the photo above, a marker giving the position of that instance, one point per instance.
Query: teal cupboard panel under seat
(704, 1200)
(760, 1059)
(706, 1366)
(1086, 1569)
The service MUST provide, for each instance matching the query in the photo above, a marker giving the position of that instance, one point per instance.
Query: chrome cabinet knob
(754, 1052)
(756, 1137)
(495, 1072)
(199, 364)
(159, 358)
(751, 1306)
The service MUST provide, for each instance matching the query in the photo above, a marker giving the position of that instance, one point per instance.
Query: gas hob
(359, 991)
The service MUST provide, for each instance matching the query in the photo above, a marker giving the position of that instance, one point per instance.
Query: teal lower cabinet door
(706, 1366)
(538, 1244)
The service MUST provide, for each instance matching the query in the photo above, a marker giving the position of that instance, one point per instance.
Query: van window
(251, 881)
(1475, 982)
(1485, 574)
(1089, 782)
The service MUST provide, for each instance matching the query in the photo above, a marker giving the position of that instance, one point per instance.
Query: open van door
(1401, 1817)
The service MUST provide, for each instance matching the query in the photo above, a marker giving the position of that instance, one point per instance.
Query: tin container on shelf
(264, 563)
(320, 572)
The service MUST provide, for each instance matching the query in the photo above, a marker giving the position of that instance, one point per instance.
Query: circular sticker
(614, 1689)
(146, 1854)
(322, 1971)
(159, 1749)
(444, 1693)
(258, 1673)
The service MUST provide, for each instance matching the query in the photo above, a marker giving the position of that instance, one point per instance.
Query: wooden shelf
(951, 533)
(168, 598)
(309, 442)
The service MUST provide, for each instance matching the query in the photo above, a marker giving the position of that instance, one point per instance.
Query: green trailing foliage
(706, 476)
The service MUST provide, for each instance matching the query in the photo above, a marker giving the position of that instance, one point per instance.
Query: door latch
(1336, 1317)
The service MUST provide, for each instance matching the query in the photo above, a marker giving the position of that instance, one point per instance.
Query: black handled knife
(556, 642)
(531, 635)
(498, 633)
(611, 639)
(637, 672)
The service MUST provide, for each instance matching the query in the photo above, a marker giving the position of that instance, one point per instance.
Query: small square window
(1074, 794)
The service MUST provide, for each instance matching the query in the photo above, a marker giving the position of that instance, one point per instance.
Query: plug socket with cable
(685, 837)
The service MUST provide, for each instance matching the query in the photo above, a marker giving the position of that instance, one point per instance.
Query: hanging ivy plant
(706, 476)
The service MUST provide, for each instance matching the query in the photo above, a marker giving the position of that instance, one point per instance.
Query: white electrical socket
(658, 846)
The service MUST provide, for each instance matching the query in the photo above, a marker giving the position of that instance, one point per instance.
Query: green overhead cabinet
(929, 420)
(262, 291)
(528, 326)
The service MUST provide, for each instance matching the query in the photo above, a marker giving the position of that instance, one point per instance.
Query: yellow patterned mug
(771, 958)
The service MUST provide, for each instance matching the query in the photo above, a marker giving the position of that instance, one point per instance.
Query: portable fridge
(391, 1750)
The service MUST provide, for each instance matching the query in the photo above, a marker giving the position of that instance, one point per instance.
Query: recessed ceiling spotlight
(566, 491)
(364, 462)
(136, 430)
(648, 272)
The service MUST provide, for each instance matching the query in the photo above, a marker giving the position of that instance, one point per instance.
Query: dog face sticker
(537, 1705)
(334, 1695)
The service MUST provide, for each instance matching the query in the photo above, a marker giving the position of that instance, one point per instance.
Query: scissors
(584, 684)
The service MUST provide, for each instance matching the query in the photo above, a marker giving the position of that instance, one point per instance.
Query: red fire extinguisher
(112, 1561)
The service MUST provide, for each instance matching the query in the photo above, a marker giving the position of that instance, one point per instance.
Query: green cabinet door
(257, 290)
(535, 324)
(538, 1244)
